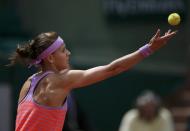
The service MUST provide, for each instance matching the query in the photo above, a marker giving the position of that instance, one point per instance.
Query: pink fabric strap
(52, 48)
(145, 50)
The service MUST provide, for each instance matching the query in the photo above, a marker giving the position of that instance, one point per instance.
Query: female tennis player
(42, 103)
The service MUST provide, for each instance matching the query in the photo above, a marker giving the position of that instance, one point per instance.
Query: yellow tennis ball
(174, 19)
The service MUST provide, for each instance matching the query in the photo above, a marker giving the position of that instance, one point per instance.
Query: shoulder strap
(34, 81)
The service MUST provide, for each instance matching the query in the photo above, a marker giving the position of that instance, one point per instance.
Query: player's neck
(49, 68)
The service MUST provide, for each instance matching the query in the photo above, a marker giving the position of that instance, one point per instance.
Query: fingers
(162, 39)
(157, 34)
(169, 35)
(168, 32)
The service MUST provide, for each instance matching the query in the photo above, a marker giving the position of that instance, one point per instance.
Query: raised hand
(158, 41)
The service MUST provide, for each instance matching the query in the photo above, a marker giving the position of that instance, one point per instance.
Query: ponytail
(23, 54)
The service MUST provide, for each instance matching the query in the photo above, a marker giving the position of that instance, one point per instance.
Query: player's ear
(50, 58)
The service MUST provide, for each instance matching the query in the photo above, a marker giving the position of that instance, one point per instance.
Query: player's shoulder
(132, 114)
(56, 77)
(164, 112)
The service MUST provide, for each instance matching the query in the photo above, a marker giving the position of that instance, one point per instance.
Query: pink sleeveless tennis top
(32, 116)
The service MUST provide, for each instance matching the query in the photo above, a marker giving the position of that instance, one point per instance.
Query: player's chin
(63, 67)
(67, 66)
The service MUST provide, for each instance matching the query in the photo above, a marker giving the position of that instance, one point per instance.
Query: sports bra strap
(34, 81)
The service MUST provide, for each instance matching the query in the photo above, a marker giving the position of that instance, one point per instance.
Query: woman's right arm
(81, 78)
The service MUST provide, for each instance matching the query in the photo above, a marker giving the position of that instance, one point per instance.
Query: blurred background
(97, 32)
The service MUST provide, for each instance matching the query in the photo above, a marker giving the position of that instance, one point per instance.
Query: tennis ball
(174, 19)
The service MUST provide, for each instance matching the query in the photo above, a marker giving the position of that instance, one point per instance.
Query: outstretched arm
(80, 78)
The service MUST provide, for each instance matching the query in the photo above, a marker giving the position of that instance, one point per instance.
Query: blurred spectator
(148, 115)
(75, 119)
